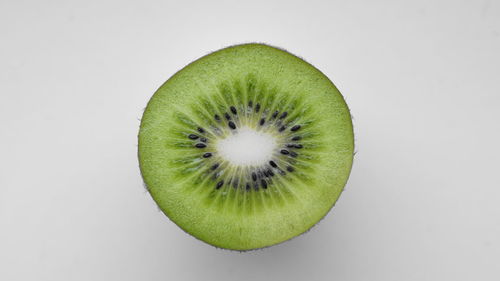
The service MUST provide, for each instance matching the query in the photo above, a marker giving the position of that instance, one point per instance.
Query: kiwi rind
(217, 232)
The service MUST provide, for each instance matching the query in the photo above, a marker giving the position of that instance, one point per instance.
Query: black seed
(266, 173)
(283, 115)
(295, 128)
(270, 172)
(215, 166)
(200, 145)
(219, 184)
(206, 155)
(257, 107)
(227, 116)
(201, 130)
(290, 169)
(281, 129)
(217, 117)
(298, 146)
(296, 138)
(263, 183)
(282, 172)
(262, 121)
(293, 154)
(233, 110)
(231, 125)
(273, 164)
(285, 152)
(203, 139)
(254, 176)
(193, 137)
(250, 104)
(247, 187)
(275, 114)
(256, 186)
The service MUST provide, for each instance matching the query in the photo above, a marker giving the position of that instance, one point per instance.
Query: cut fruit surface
(246, 147)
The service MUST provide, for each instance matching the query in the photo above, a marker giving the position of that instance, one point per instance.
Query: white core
(247, 147)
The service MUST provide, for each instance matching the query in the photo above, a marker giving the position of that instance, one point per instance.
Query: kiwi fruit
(246, 147)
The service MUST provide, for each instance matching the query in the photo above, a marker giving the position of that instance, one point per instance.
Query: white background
(422, 79)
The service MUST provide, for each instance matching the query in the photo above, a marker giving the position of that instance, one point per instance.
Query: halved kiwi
(263, 91)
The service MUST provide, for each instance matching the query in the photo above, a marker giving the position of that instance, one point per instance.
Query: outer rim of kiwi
(306, 230)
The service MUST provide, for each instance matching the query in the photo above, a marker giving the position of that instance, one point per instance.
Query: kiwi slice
(246, 147)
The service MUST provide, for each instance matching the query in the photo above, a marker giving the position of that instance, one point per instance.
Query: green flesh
(225, 207)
